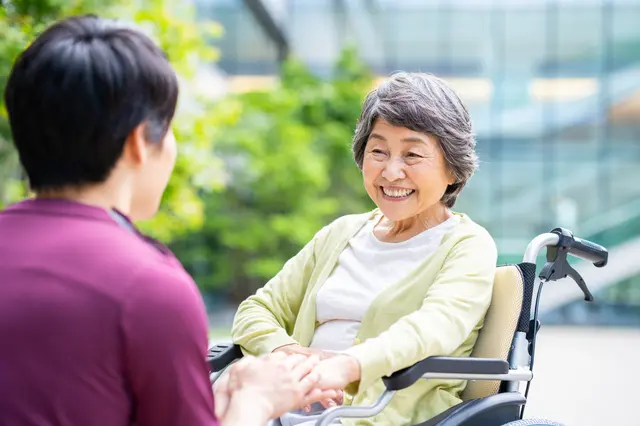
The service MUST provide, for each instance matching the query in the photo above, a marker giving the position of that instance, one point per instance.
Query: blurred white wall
(586, 376)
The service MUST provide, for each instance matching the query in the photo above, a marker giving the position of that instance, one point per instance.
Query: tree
(173, 25)
(289, 171)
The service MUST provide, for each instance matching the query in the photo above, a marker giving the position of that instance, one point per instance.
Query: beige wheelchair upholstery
(494, 340)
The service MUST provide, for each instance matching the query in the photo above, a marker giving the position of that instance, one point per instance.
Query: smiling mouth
(397, 193)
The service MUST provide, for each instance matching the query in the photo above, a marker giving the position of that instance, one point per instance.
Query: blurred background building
(553, 88)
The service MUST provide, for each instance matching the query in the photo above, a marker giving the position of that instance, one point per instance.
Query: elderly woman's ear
(452, 177)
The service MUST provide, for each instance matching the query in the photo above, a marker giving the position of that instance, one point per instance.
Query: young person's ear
(136, 146)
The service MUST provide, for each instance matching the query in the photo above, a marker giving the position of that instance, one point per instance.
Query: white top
(365, 267)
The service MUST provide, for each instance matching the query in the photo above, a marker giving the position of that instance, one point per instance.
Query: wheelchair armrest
(221, 355)
(443, 364)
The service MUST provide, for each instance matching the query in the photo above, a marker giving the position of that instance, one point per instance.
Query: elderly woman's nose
(394, 170)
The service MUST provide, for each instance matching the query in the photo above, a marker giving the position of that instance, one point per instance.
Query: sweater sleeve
(265, 321)
(453, 306)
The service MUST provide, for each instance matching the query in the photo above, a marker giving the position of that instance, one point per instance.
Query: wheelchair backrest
(495, 337)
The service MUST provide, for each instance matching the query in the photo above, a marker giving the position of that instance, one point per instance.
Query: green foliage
(172, 24)
(16, 31)
(289, 171)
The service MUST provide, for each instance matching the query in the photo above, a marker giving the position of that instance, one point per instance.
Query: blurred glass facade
(553, 87)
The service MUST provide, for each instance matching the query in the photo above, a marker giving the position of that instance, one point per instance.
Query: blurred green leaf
(173, 25)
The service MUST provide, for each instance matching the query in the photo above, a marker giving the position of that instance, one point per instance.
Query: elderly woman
(377, 292)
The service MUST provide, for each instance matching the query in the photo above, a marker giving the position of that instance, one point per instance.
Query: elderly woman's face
(405, 173)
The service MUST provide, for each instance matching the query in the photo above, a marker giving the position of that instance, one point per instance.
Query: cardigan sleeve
(453, 306)
(264, 321)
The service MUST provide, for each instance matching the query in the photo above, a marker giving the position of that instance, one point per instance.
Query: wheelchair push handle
(581, 248)
(559, 243)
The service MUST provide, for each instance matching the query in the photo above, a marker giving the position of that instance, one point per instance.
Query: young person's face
(154, 162)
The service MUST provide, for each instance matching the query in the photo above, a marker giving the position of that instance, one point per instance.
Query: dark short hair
(427, 104)
(77, 92)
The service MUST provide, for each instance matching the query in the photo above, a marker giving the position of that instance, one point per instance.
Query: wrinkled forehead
(385, 132)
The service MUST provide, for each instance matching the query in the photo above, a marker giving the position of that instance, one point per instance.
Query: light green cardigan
(437, 309)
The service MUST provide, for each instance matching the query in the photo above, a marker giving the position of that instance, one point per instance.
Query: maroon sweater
(99, 325)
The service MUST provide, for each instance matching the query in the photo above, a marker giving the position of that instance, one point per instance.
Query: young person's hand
(328, 402)
(258, 389)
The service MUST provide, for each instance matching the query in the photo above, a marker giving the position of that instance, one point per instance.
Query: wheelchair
(503, 356)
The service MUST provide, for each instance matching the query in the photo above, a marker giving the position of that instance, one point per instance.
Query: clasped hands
(290, 378)
(334, 371)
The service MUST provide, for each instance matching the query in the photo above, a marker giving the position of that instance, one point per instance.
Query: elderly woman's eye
(377, 151)
(414, 155)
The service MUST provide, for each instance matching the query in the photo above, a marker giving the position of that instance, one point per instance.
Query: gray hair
(427, 104)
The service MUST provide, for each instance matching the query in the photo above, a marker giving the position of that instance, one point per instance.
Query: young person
(99, 324)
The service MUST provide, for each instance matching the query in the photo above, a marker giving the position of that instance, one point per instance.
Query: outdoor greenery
(289, 171)
(258, 173)
(171, 24)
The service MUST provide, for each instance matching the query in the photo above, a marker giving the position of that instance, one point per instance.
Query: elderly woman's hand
(296, 349)
(337, 372)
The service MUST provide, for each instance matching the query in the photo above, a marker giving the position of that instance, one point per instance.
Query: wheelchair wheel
(533, 422)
